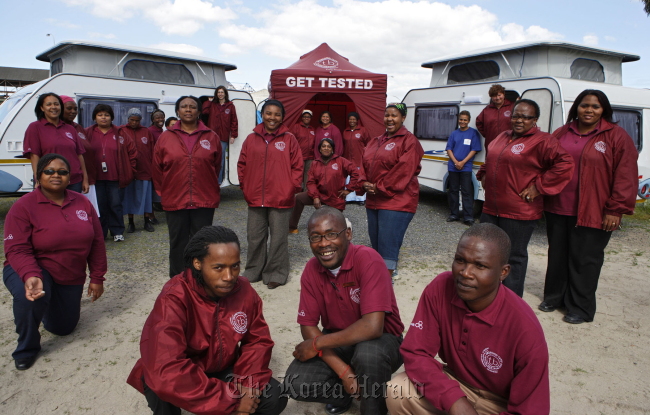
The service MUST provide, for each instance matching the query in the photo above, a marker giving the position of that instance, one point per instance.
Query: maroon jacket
(354, 143)
(156, 132)
(222, 119)
(332, 132)
(144, 143)
(187, 178)
(492, 121)
(189, 334)
(511, 167)
(306, 137)
(393, 164)
(270, 174)
(127, 155)
(608, 175)
(326, 180)
(89, 155)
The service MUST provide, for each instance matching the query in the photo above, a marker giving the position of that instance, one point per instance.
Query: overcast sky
(387, 36)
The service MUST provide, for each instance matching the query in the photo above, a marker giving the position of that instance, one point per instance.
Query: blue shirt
(461, 143)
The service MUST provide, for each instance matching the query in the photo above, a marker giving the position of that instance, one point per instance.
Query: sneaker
(395, 275)
(118, 238)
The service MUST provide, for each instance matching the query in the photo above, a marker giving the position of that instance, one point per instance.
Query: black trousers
(519, 232)
(461, 181)
(271, 402)
(109, 201)
(575, 257)
(182, 225)
(374, 361)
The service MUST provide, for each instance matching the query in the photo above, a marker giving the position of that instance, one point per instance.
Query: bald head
(494, 235)
(327, 211)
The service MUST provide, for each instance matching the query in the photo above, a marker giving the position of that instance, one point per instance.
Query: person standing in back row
(462, 146)
(305, 134)
(495, 118)
(222, 119)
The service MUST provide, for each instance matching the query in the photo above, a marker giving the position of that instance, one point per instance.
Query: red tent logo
(327, 63)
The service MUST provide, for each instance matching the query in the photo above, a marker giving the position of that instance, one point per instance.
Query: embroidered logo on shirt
(327, 63)
(205, 144)
(357, 135)
(121, 140)
(312, 133)
(601, 146)
(239, 322)
(302, 313)
(280, 145)
(518, 148)
(335, 166)
(144, 140)
(81, 214)
(114, 137)
(354, 295)
(227, 111)
(327, 134)
(82, 136)
(69, 135)
(390, 146)
(418, 325)
(9, 237)
(507, 114)
(491, 360)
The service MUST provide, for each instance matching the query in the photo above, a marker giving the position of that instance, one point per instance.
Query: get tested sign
(328, 83)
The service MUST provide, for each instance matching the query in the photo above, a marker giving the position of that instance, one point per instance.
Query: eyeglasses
(516, 117)
(49, 172)
(329, 236)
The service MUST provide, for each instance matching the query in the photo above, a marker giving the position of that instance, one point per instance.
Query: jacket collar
(348, 262)
(200, 128)
(259, 130)
(200, 290)
(400, 133)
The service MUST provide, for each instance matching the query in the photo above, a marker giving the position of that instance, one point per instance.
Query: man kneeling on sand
(206, 346)
(493, 347)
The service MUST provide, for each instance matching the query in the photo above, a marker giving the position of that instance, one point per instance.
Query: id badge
(104, 167)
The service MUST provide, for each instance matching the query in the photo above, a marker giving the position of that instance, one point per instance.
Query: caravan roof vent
(587, 70)
(473, 72)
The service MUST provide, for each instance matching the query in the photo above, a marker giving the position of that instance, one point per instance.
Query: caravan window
(56, 67)
(120, 108)
(435, 122)
(473, 72)
(630, 121)
(587, 70)
(158, 71)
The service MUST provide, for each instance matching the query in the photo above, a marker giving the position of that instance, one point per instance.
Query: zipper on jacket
(220, 341)
(495, 173)
(266, 155)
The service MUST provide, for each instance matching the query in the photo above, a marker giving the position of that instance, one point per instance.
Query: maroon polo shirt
(105, 146)
(43, 137)
(500, 349)
(362, 286)
(61, 239)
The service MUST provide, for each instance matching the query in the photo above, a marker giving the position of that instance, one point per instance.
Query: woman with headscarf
(185, 167)
(522, 164)
(328, 130)
(391, 163)
(355, 139)
(326, 184)
(137, 195)
(222, 119)
(270, 174)
(115, 161)
(581, 218)
(49, 134)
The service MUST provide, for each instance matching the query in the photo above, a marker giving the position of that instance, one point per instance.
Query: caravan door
(247, 118)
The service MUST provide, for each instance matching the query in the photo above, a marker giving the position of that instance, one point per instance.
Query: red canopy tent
(324, 80)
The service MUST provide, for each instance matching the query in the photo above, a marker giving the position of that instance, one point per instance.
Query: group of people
(206, 346)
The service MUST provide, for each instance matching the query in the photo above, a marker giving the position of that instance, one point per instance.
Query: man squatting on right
(495, 354)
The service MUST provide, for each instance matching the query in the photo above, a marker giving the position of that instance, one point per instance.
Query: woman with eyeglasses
(391, 163)
(522, 165)
(43, 271)
(50, 134)
(185, 170)
(581, 218)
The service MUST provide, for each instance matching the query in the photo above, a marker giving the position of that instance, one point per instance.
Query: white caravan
(550, 73)
(122, 77)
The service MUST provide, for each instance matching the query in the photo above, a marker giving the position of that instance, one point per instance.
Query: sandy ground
(596, 368)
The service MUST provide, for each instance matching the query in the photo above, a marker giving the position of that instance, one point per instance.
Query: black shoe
(148, 226)
(468, 222)
(452, 219)
(573, 318)
(157, 206)
(26, 363)
(331, 409)
(154, 221)
(546, 307)
(130, 228)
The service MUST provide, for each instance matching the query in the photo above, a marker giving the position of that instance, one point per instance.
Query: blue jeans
(386, 229)
(109, 200)
(461, 181)
(224, 146)
(58, 309)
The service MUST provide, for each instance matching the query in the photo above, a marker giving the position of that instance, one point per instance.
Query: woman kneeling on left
(45, 276)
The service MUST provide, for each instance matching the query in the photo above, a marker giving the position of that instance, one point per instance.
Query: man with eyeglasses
(347, 288)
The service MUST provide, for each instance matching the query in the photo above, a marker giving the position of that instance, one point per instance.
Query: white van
(550, 73)
(122, 77)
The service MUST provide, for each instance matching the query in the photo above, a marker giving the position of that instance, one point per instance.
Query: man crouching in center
(348, 289)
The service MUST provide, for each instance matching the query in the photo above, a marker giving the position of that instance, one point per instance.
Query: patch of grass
(641, 212)
(579, 370)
